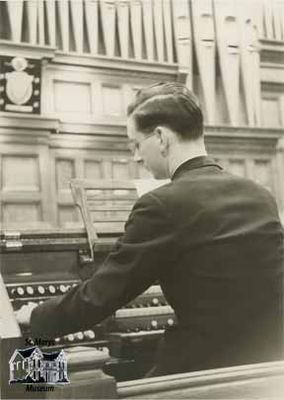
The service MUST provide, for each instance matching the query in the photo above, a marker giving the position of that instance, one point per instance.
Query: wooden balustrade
(256, 381)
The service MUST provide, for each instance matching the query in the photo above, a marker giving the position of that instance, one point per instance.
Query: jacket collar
(193, 163)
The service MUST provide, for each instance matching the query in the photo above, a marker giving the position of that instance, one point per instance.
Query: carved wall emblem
(19, 85)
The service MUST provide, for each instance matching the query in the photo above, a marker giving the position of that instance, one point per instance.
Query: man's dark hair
(168, 104)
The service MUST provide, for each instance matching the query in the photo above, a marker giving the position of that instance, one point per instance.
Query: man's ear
(163, 138)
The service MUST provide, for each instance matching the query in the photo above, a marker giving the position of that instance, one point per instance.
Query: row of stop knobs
(41, 290)
(155, 301)
(73, 337)
(154, 324)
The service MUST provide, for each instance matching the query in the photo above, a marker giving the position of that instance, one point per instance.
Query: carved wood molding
(116, 63)
(23, 128)
(37, 52)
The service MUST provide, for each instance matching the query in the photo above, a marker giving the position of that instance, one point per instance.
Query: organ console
(38, 292)
(38, 266)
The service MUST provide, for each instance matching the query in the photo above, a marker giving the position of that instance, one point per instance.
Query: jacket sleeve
(137, 261)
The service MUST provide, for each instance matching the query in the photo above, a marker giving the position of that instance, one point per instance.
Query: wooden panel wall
(34, 179)
(73, 94)
(24, 186)
(253, 158)
(260, 168)
(34, 183)
(87, 164)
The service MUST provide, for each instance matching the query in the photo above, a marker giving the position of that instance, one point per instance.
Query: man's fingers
(23, 315)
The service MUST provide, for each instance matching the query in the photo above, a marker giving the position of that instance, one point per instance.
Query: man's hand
(23, 315)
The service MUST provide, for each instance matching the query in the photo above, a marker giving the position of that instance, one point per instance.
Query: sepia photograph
(142, 199)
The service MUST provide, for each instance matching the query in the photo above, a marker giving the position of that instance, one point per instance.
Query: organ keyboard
(45, 266)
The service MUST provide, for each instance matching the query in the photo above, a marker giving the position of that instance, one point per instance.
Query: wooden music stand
(104, 205)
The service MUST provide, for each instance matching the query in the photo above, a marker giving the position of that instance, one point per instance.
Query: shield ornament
(19, 88)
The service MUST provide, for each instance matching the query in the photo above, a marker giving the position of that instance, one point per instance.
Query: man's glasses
(134, 145)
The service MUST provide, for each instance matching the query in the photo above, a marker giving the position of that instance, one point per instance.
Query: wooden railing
(256, 381)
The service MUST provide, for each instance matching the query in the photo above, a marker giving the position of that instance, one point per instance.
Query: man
(213, 240)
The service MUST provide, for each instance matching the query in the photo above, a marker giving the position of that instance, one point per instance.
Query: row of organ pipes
(219, 37)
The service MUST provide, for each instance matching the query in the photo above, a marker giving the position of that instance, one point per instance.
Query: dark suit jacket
(215, 243)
